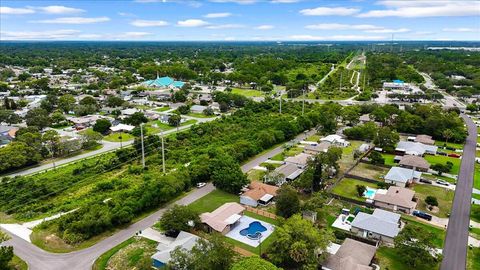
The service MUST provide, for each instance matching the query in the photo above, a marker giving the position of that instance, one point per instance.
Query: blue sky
(240, 20)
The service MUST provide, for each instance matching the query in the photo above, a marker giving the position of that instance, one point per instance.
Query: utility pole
(303, 101)
(163, 152)
(143, 149)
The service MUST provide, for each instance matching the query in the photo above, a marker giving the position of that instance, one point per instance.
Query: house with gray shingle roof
(381, 225)
(402, 177)
(415, 148)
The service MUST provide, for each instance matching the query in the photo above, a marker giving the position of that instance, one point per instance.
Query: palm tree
(447, 134)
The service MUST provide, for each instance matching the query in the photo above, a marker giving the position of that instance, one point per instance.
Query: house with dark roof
(352, 255)
(396, 199)
(381, 225)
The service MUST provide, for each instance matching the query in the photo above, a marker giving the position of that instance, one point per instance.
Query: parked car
(426, 181)
(442, 153)
(422, 215)
(441, 182)
(454, 155)
(201, 184)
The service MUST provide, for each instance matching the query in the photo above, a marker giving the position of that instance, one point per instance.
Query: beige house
(299, 160)
(258, 193)
(352, 255)
(396, 199)
(223, 218)
(425, 139)
(415, 163)
(316, 149)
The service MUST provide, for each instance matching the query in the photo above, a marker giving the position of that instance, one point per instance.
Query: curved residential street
(455, 248)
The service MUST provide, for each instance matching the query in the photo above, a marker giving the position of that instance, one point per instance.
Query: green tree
(287, 202)
(102, 126)
(207, 254)
(9, 117)
(208, 111)
(184, 109)
(66, 103)
(360, 190)
(90, 138)
(227, 175)
(6, 252)
(38, 117)
(414, 244)
(58, 118)
(376, 158)
(136, 119)
(179, 218)
(253, 263)
(298, 244)
(174, 120)
(447, 135)
(114, 101)
(431, 200)
(386, 138)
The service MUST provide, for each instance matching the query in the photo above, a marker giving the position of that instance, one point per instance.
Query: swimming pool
(369, 193)
(254, 230)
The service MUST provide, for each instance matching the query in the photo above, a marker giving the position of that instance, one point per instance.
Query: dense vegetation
(111, 190)
(387, 67)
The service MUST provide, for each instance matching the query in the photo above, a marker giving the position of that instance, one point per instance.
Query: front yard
(443, 160)
(118, 137)
(443, 195)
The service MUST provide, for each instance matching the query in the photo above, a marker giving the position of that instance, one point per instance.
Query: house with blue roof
(164, 82)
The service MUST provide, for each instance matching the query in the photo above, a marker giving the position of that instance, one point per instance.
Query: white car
(201, 184)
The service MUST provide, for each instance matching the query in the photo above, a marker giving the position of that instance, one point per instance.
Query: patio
(243, 223)
(343, 222)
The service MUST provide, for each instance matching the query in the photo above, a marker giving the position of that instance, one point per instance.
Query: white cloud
(284, 1)
(218, 15)
(192, 23)
(339, 26)
(387, 30)
(241, 2)
(126, 14)
(413, 9)
(461, 29)
(16, 11)
(329, 11)
(264, 27)
(225, 26)
(148, 23)
(74, 20)
(54, 34)
(59, 10)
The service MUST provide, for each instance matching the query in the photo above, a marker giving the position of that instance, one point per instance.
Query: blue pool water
(254, 230)
(369, 193)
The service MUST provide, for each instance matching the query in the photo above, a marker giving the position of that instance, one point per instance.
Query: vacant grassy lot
(119, 137)
(313, 138)
(348, 188)
(155, 127)
(255, 175)
(444, 197)
(475, 212)
(437, 232)
(162, 109)
(247, 92)
(390, 259)
(449, 144)
(443, 160)
(476, 177)
(347, 160)
(473, 258)
(136, 255)
(212, 201)
(369, 171)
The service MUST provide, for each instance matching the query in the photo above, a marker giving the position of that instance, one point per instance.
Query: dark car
(422, 215)
(426, 181)
(442, 153)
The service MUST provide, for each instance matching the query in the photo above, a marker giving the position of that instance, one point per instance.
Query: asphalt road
(455, 248)
(38, 259)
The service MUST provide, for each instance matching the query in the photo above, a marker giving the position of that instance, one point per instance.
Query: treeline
(383, 67)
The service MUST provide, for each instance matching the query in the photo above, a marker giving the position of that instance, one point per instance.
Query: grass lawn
(247, 92)
(200, 115)
(17, 264)
(475, 233)
(475, 212)
(443, 160)
(115, 137)
(212, 201)
(347, 160)
(476, 196)
(389, 259)
(369, 171)
(102, 261)
(473, 259)
(255, 175)
(162, 109)
(444, 197)
(278, 157)
(438, 233)
(133, 256)
(348, 188)
(155, 127)
(313, 138)
(434, 177)
(389, 159)
(450, 144)
(476, 177)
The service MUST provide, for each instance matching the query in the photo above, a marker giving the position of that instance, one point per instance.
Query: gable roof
(425, 139)
(257, 190)
(352, 255)
(402, 175)
(184, 240)
(300, 159)
(414, 161)
(222, 216)
(321, 147)
(415, 148)
(397, 196)
(381, 222)
(290, 171)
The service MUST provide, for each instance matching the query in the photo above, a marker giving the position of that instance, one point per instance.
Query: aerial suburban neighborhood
(315, 139)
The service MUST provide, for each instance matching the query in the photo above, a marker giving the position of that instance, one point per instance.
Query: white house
(415, 148)
(401, 177)
(184, 240)
(335, 140)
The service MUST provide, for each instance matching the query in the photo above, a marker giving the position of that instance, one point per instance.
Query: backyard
(443, 195)
(348, 188)
(369, 171)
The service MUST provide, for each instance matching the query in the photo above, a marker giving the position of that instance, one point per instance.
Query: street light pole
(143, 149)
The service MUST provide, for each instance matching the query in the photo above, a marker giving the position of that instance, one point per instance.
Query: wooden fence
(261, 212)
